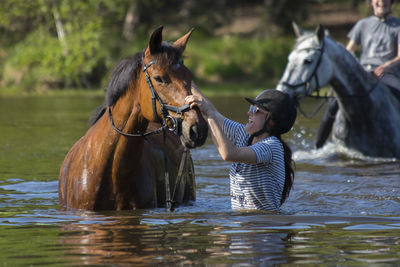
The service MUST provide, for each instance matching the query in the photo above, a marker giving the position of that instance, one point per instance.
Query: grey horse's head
(308, 67)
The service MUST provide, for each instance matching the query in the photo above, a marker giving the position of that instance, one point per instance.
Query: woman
(261, 175)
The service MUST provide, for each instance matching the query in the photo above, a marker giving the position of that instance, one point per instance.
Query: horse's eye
(158, 79)
(164, 80)
(307, 61)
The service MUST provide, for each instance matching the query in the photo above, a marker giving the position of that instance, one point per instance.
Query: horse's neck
(127, 113)
(127, 117)
(350, 78)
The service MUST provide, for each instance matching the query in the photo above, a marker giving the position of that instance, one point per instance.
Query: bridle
(169, 122)
(314, 75)
(307, 83)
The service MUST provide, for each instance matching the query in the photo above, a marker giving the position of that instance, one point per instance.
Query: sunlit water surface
(344, 208)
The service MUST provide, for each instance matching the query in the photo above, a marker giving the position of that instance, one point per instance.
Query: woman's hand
(202, 103)
(197, 99)
(192, 101)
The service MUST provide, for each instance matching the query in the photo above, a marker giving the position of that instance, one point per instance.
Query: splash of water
(336, 154)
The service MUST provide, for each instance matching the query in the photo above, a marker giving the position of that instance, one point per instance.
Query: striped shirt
(256, 186)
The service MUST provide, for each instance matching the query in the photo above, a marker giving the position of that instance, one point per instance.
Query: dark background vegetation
(58, 44)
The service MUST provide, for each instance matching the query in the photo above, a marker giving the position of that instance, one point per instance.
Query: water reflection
(143, 239)
(139, 239)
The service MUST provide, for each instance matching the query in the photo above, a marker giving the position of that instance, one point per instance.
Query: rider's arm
(351, 46)
(385, 67)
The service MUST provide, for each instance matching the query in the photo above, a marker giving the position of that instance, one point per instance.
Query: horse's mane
(303, 37)
(126, 71)
(123, 73)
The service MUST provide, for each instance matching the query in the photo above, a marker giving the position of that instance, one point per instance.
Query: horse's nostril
(193, 132)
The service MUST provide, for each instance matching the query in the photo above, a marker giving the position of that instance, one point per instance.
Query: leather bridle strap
(168, 122)
(174, 121)
(157, 131)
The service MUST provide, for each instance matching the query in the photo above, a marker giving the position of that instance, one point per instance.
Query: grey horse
(368, 119)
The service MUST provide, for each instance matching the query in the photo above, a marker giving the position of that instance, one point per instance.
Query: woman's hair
(289, 163)
(287, 156)
(289, 170)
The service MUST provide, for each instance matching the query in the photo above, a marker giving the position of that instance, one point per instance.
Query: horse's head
(165, 82)
(308, 67)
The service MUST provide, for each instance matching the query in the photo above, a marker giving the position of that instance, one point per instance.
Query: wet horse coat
(369, 114)
(110, 170)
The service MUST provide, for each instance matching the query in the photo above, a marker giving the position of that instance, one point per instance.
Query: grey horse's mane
(302, 38)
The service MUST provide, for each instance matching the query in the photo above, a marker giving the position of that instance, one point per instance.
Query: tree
(59, 42)
(283, 12)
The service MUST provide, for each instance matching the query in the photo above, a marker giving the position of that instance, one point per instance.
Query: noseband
(169, 122)
(307, 82)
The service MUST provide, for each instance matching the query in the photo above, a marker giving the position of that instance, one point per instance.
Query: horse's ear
(181, 42)
(297, 30)
(155, 41)
(320, 32)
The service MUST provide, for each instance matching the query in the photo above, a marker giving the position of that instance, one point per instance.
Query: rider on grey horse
(379, 39)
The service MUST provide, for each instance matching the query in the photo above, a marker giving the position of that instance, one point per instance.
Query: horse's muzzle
(194, 130)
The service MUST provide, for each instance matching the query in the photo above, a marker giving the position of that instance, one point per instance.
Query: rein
(315, 111)
(170, 202)
(169, 122)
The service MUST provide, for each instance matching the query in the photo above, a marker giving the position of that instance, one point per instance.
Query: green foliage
(237, 59)
(44, 61)
(70, 54)
(67, 43)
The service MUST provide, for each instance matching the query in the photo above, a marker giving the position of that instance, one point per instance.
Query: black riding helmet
(280, 106)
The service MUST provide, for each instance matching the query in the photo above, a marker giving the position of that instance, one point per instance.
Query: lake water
(344, 209)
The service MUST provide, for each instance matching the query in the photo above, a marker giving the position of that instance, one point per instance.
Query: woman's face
(257, 117)
(381, 7)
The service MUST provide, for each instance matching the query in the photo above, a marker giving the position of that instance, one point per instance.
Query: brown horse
(130, 158)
